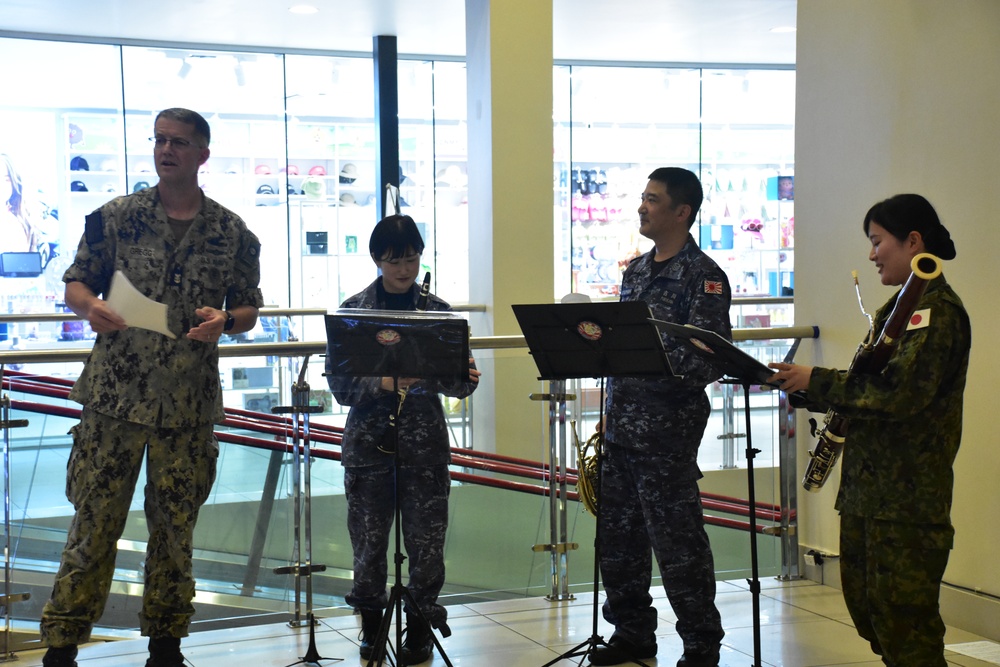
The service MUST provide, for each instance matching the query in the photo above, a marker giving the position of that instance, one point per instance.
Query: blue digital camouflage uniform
(649, 488)
(424, 480)
(143, 392)
(896, 478)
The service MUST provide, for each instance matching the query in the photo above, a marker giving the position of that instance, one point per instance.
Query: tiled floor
(803, 624)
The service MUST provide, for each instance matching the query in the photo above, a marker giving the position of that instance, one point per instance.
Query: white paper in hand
(136, 309)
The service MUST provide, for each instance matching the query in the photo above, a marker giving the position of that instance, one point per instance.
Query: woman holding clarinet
(378, 421)
(905, 426)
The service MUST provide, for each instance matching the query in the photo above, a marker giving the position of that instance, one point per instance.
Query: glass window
(61, 151)
(331, 180)
(735, 128)
(626, 121)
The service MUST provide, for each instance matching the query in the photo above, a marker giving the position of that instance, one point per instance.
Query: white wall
(903, 96)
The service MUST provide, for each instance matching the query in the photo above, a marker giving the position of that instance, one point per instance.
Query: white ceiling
(664, 31)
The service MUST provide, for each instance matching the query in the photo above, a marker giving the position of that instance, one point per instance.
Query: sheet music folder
(394, 343)
(593, 340)
(724, 355)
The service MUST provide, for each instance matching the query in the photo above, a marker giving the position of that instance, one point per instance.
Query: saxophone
(870, 359)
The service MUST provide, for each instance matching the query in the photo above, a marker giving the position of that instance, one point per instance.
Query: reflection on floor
(803, 624)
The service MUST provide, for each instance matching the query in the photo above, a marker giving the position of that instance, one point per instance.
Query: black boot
(60, 656)
(165, 652)
(371, 623)
(418, 645)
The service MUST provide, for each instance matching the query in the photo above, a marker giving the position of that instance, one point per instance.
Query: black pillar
(386, 117)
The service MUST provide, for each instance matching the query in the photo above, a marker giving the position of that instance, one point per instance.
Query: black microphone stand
(302, 463)
(8, 597)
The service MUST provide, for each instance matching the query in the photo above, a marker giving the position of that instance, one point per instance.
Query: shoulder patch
(919, 319)
(713, 287)
(94, 227)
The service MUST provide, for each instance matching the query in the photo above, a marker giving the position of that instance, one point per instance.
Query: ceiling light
(303, 9)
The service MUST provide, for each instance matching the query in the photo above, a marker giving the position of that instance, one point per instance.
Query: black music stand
(388, 343)
(746, 371)
(593, 340)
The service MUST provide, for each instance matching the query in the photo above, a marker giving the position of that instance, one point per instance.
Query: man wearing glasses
(150, 395)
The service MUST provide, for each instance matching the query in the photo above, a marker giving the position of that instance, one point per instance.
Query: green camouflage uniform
(896, 480)
(144, 393)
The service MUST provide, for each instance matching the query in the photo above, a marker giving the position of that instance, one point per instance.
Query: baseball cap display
(262, 170)
(110, 187)
(75, 134)
(78, 186)
(143, 167)
(347, 199)
(313, 187)
(349, 173)
(265, 190)
(141, 185)
(318, 170)
(291, 170)
(79, 164)
(109, 164)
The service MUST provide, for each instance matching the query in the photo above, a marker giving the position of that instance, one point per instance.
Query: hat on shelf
(79, 164)
(291, 170)
(347, 199)
(318, 170)
(234, 168)
(75, 134)
(141, 185)
(262, 170)
(349, 173)
(452, 177)
(143, 167)
(78, 186)
(313, 187)
(265, 190)
(109, 164)
(110, 187)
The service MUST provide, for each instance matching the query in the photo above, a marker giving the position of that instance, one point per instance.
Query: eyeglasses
(176, 142)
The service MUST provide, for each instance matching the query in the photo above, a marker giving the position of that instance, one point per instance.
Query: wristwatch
(230, 322)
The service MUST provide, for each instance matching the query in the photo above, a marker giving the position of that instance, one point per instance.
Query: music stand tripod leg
(754, 581)
(595, 640)
(398, 592)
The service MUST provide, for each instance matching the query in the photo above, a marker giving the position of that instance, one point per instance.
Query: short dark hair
(188, 117)
(902, 214)
(683, 187)
(394, 234)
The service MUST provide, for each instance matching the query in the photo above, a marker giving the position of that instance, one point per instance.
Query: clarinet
(870, 359)
(425, 292)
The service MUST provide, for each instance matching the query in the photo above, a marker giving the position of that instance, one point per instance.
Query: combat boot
(165, 652)
(371, 623)
(419, 644)
(60, 656)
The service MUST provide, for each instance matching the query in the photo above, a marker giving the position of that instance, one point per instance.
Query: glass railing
(501, 538)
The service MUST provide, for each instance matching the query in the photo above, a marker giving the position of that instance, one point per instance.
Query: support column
(509, 61)
(386, 117)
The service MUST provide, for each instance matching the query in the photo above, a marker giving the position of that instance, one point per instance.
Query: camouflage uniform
(649, 495)
(896, 479)
(143, 392)
(424, 455)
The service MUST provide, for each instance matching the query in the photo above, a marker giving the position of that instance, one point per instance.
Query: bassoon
(870, 359)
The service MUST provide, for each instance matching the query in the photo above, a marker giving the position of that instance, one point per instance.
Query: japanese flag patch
(919, 319)
(713, 287)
